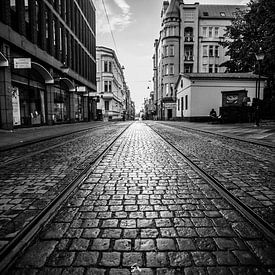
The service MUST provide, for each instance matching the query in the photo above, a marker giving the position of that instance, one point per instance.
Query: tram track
(21, 241)
(266, 228)
(41, 141)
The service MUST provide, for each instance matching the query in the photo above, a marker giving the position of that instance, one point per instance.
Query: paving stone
(144, 245)
(225, 258)
(86, 258)
(90, 233)
(131, 258)
(178, 259)
(122, 245)
(61, 258)
(38, 254)
(203, 258)
(55, 231)
(186, 244)
(112, 233)
(79, 244)
(110, 259)
(95, 271)
(166, 244)
(73, 270)
(156, 259)
(100, 244)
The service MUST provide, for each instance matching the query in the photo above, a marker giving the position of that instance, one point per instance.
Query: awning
(43, 72)
(3, 61)
(68, 83)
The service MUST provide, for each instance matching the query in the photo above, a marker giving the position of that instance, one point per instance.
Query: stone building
(114, 94)
(47, 62)
(188, 43)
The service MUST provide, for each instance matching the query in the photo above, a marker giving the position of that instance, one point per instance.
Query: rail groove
(9, 254)
(243, 209)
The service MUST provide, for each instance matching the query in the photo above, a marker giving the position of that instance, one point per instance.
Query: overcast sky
(135, 25)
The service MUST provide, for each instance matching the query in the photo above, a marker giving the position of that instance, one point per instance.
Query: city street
(143, 208)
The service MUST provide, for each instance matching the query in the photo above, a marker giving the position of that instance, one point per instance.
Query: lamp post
(259, 57)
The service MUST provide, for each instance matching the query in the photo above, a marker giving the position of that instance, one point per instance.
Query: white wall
(204, 95)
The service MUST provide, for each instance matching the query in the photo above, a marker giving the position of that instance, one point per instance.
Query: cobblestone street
(144, 210)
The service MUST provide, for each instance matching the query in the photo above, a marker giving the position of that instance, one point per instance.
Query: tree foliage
(252, 30)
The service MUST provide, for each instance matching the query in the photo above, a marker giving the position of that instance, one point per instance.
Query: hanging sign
(22, 63)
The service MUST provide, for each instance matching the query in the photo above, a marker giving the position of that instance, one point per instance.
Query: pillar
(6, 115)
(49, 96)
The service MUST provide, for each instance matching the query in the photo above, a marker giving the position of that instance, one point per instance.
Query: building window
(189, 15)
(204, 51)
(27, 16)
(186, 102)
(181, 83)
(171, 89)
(166, 69)
(106, 105)
(210, 68)
(172, 50)
(105, 66)
(166, 87)
(210, 31)
(12, 5)
(211, 53)
(172, 69)
(205, 13)
(178, 104)
(216, 68)
(173, 31)
(54, 32)
(188, 68)
(110, 67)
(204, 29)
(216, 31)
(217, 51)
(182, 103)
(204, 68)
(165, 51)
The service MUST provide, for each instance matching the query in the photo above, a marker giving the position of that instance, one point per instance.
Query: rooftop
(219, 11)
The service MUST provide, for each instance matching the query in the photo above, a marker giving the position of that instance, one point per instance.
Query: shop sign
(16, 106)
(22, 63)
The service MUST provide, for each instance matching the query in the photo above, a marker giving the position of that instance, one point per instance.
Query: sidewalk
(264, 134)
(26, 135)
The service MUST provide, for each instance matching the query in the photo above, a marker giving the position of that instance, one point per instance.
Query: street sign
(22, 63)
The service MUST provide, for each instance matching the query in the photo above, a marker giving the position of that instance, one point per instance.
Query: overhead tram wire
(109, 25)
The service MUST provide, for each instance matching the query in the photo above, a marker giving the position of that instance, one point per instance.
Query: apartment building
(189, 43)
(114, 95)
(47, 62)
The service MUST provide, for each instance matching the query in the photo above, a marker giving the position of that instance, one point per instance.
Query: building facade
(188, 43)
(47, 62)
(114, 94)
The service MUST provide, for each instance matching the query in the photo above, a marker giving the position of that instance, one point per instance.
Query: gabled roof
(219, 11)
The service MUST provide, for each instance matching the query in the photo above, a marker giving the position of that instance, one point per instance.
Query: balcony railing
(188, 58)
(188, 39)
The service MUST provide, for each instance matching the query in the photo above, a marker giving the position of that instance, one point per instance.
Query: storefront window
(61, 106)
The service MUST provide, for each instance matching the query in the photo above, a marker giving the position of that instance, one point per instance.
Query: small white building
(198, 93)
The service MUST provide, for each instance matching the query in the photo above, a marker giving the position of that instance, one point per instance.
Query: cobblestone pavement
(28, 186)
(143, 210)
(245, 169)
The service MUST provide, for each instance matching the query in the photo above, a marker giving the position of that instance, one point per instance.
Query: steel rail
(18, 159)
(243, 209)
(246, 140)
(17, 246)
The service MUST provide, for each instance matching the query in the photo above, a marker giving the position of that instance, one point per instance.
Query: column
(49, 99)
(6, 115)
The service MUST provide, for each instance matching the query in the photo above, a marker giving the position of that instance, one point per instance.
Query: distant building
(47, 62)
(188, 43)
(114, 95)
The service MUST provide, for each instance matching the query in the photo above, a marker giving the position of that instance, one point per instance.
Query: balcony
(188, 39)
(169, 99)
(106, 95)
(188, 58)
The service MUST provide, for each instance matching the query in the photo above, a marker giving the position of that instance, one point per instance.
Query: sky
(135, 25)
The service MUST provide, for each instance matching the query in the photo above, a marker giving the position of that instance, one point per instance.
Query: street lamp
(259, 57)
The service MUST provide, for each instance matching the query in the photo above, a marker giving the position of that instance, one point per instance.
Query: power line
(109, 25)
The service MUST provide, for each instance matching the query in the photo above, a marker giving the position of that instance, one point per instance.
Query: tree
(252, 30)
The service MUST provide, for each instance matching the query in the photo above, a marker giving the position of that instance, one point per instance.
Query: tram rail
(20, 242)
(266, 228)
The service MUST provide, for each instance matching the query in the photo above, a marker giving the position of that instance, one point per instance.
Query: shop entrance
(28, 105)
